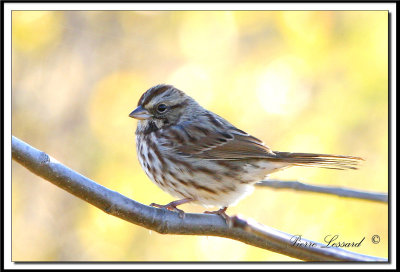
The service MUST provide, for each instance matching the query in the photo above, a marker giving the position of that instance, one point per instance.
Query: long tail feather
(339, 162)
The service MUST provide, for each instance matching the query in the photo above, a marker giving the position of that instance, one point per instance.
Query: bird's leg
(172, 206)
(222, 213)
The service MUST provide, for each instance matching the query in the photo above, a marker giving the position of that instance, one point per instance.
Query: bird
(199, 157)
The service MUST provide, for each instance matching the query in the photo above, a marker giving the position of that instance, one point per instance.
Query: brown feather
(213, 144)
(340, 162)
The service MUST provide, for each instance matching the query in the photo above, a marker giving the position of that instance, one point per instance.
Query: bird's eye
(161, 108)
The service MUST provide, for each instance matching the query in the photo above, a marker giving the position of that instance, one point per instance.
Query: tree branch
(164, 221)
(339, 191)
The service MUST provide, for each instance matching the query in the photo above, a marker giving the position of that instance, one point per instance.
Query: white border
(201, 6)
(185, 6)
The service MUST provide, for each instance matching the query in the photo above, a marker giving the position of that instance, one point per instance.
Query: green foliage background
(303, 81)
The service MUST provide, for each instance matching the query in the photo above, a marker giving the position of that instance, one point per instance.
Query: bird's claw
(221, 212)
(169, 207)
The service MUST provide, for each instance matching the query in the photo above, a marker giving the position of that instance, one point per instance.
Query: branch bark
(339, 191)
(168, 222)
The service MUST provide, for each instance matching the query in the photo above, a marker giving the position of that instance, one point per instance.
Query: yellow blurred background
(302, 81)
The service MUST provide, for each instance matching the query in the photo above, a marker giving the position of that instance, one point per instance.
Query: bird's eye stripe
(155, 91)
(182, 104)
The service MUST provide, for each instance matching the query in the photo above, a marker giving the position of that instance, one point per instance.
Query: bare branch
(164, 221)
(339, 191)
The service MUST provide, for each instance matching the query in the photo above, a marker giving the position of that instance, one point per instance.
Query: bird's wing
(229, 143)
(213, 143)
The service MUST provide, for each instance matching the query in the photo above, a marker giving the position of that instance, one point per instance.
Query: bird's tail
(318, 160)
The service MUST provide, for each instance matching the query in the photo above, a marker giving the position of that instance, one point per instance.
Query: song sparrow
(198, 156)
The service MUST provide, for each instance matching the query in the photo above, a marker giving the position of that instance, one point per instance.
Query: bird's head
(163, 105)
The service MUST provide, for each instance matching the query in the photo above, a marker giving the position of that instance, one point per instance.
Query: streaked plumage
(193, 153)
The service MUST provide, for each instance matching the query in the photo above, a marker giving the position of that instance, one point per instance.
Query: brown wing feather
(232, 144)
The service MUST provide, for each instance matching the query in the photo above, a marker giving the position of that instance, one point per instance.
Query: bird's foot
(172, 206)
(221, 212)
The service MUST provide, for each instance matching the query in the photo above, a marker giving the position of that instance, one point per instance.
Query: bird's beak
(140, 113)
